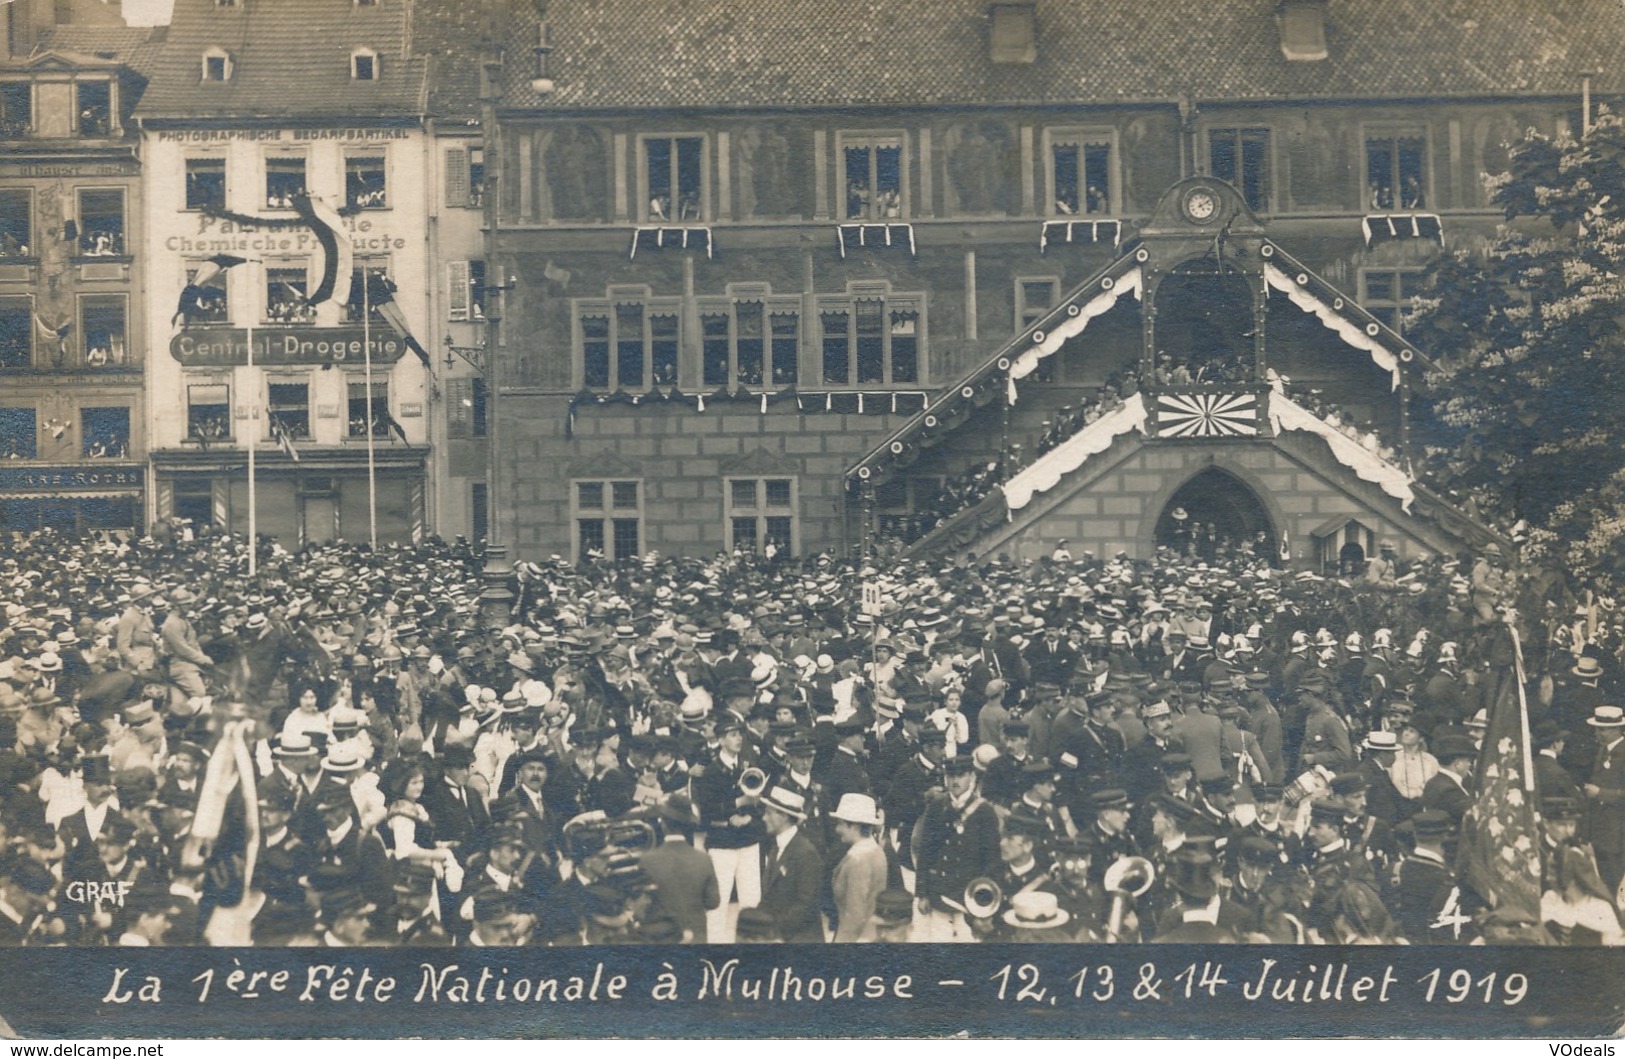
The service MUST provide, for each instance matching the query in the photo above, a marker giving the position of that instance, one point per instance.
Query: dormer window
(1014, 33)
(1303, 30)
(217, 65)
(364, 64)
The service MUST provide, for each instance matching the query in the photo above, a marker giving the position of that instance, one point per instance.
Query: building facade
(74, 352)
(259, 114)
(794, 277)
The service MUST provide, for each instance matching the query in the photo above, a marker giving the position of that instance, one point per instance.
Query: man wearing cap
(357, 853)
(180, 645)
(135, 638)
(860, 875)
(1258, 865)
(904, 802)
(1422, 885)
(284, 858)
(414, 918)
(792, 868)
(1141, 771)
(733, 825)
(1325, 736)
(1605, 795)
(26, 887)
(846, 774)
(1332, 863)
(1492, 583)
(1576, 908)
(956, 841)
(685, 879)
(1368, 835)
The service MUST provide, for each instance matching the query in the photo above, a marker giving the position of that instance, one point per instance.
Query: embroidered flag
(1500, 834)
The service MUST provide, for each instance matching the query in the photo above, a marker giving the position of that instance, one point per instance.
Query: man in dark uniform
(796, 776)
(284, 858)
(1109, 834)
(413, 920)
(1260, 913)
(1422, 893)
(1142, 765)
(846, 769)
(958, 842)
(1605, 794)
(357, 854)
(1332, 864)
(1022, 867)
(904, 803)
(1368, 835)
(1002, 783)
(733, 825)
(1085, 900)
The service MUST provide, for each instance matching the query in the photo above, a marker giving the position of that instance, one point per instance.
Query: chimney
(1013, 33)
(1303, 29)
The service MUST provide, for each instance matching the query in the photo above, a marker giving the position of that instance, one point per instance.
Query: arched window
(217, 65)
(364, 64)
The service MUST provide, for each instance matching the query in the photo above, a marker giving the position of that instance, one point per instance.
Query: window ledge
(1379, 227)
(876, 234)
(672, 237)
(1080, 230)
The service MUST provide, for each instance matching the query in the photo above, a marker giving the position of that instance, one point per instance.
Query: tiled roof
(446, 33)
(291, 59)
(137, 48)
(702, 53)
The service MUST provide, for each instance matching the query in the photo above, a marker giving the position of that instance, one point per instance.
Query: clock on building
(1200, 205)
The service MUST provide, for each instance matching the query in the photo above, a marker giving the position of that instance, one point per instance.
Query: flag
(1501, 841)
(280, 435)
(381, 293)
(338, 254)
(395, 427)
(194, 293)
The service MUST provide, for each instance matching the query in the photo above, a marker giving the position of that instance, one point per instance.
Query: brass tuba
(752, 782)
(983, 898)
(1126, 879)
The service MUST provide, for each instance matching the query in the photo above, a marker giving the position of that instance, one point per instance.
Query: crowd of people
(402, 747)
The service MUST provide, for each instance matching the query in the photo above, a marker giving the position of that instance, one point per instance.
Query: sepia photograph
(741, 519)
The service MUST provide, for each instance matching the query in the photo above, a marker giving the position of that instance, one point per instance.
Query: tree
(1524, 407)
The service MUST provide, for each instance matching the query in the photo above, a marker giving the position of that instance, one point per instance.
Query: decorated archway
(1215, 513)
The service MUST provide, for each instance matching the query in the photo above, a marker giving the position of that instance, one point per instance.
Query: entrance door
(320, 519)
(1213, 516)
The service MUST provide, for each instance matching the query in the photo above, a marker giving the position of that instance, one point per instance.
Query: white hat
(788, 802)
(857, 809)
(1607, 717)
(1036, 909)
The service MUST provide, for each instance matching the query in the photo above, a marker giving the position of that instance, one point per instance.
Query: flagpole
(253, 439)
(372, 466)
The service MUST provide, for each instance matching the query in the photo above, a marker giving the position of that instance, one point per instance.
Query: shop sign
(227, 347)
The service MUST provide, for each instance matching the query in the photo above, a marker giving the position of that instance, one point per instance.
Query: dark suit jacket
(464, 821)
(1445, 794)
(793, 889)
(686, 884)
